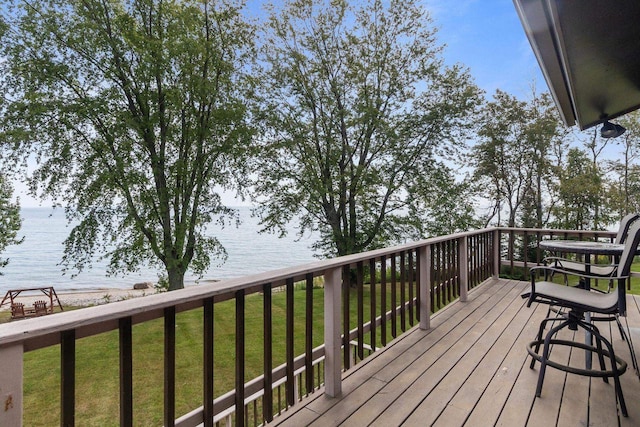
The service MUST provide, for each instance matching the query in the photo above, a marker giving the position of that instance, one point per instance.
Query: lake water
(35, 262)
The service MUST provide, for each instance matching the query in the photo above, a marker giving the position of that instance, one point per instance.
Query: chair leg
(595, 334)
(541, 329)
(616, 376)
(627, 338)
(601, 358)
(616, 317)
(538, 339)
(545, 354)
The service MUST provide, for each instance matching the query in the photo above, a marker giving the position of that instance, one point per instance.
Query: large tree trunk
(176, 278)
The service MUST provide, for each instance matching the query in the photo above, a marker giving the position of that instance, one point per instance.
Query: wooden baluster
(68, 377)
(462, 268)
(360, 294)
(438, 277)
(126, 371)
(267, 313)
(372, 300)
(346, 317)
(169, 366)
(12, 380)
(290, 318)
(394, 303)
(496, 254)
(308, 358)
(207, 360)
(383, 300)
(432, 277)
(240, 357)
(411, 283)
(451, 292)
(403, 296)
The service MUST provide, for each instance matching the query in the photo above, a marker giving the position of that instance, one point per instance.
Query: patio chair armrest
(559, 260)
(576, 273)
(550, 269)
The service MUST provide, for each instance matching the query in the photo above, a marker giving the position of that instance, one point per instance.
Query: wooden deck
(472, 368)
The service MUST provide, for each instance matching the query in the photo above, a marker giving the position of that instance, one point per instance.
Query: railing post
(332, 330)
(464, 267)
(425, 286)
(496, 253)
(11, 390)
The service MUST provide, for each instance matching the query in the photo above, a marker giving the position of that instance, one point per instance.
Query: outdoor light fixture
(611, 130)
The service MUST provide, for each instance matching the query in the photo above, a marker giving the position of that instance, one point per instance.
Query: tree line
(134, 115)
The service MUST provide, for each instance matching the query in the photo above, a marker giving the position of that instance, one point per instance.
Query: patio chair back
(625, 223)
(630, 249)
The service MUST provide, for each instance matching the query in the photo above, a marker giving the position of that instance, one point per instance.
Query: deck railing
(519, 246)
(368, 299)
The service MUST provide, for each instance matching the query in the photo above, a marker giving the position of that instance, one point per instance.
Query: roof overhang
(589, 52)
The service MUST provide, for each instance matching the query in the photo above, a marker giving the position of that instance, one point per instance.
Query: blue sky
(487, 37)
(484, 35)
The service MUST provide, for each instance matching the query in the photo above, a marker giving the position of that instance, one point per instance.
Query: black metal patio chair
(576, 302)
(569, 267)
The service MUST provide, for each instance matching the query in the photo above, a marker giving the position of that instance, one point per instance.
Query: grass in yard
(97, 383)
(97, 371)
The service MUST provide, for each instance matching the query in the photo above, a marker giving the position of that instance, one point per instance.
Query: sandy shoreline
(80, 298)
(84, 298)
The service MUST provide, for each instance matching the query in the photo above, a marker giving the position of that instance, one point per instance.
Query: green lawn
(97, 384)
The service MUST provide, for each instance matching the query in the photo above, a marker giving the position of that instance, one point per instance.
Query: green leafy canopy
(358, 105)
(134, 113)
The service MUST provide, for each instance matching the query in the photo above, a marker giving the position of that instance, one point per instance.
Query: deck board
(472, 368)
(495, 364)
(436, 363)
(431, 410)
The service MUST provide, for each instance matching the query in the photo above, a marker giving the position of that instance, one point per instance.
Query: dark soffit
(589, 52)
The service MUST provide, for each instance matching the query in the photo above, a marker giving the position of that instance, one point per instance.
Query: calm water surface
(35, 262)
